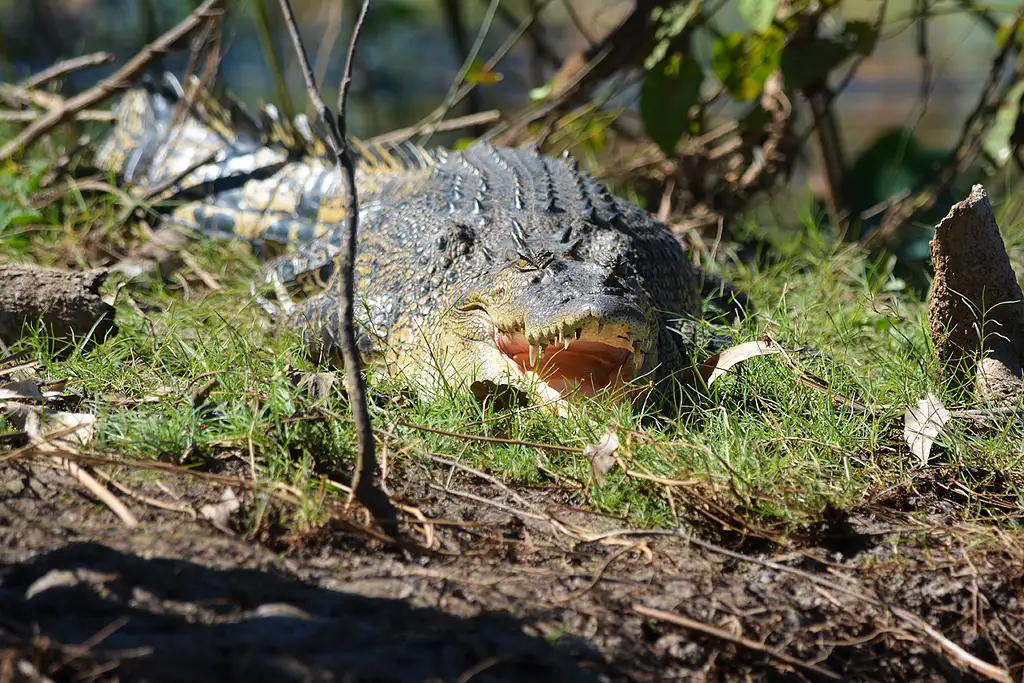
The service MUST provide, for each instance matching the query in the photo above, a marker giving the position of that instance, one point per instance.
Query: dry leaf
(219, 513)
(21, 390)
(601, 455)
(720, 363)
(922, 424)
(75, 429)
(318, 385)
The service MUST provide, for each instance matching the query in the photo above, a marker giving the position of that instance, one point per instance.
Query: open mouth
(588, 360)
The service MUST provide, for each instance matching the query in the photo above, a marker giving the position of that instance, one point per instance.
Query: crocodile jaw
(601, 358)
(553, 370)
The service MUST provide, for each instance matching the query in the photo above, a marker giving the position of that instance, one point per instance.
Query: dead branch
(976, 308)
(363, 486)
(98, 490)
(960, 656)
(403, 134)
(121, 80)
(98, 115)
(66, 66)
(491, 439)
(55, 447)
(66, 304)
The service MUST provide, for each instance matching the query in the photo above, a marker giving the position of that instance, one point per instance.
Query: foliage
(701, 62)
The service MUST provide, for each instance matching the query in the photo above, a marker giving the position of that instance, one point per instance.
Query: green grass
(764, 445)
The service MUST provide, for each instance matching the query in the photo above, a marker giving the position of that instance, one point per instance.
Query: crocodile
(483, 266)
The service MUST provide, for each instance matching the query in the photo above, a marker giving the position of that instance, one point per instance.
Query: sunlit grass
(773, 448)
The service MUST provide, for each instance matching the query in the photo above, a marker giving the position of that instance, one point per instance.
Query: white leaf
(219, 513)
(922, 424)
(723, 362)
(75, 429)
(601, 455)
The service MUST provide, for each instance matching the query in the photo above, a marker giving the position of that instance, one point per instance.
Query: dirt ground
(508, 593)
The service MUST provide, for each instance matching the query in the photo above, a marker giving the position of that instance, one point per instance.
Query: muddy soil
(508, 593)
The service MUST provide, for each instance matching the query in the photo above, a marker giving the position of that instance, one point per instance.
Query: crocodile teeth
(579, 333)
(534, 354)
(638, 359)
(565, 342)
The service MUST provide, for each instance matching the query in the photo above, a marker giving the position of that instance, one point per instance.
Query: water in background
(407, 60)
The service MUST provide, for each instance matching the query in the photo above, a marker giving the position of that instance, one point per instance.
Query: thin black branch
(363, 487)
(346, 77)
(901, 213)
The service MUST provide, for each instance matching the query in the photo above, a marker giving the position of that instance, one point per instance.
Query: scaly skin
(492, 265)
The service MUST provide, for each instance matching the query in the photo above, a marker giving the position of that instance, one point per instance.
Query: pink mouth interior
(586, 366)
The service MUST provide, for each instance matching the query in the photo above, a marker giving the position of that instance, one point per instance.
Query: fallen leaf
(922, 423)
(73, 429)
(722, 362)
(601, 456)
(21, 390)
(318, 385)
(219, 513)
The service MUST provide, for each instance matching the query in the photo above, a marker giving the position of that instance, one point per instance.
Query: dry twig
(30, 116)
(363, 487)
(722, 634)
(120, 80)
(66, 66)
(900, 212)
(491, 439)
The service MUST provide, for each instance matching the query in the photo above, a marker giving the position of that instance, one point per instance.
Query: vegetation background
(804, 149)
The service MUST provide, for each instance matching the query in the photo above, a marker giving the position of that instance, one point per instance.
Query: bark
(66, 303)
(976, 312)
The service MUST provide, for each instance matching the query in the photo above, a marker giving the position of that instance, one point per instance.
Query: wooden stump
(976, 309)
(66, 303)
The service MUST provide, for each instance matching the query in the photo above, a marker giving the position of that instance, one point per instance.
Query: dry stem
(363, 487)
(121, 80)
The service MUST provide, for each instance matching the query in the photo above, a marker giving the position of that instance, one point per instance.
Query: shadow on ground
(174, 620)
(504, 595)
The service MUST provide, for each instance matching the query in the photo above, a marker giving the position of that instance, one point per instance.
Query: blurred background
(409, 59)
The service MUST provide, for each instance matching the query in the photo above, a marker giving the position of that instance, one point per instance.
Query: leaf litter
(922, 424)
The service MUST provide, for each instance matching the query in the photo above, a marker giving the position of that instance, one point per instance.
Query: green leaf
(758, 13)
(997, 141)
(670, 89)
(744, 63)
(541, 92)
(479, 74)
(808, 62)
(671, 21)
(1005, 31)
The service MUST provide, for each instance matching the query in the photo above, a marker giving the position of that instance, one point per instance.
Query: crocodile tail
(208, 166)
(211, 167)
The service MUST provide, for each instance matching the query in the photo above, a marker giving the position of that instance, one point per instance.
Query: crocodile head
(553, 325)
